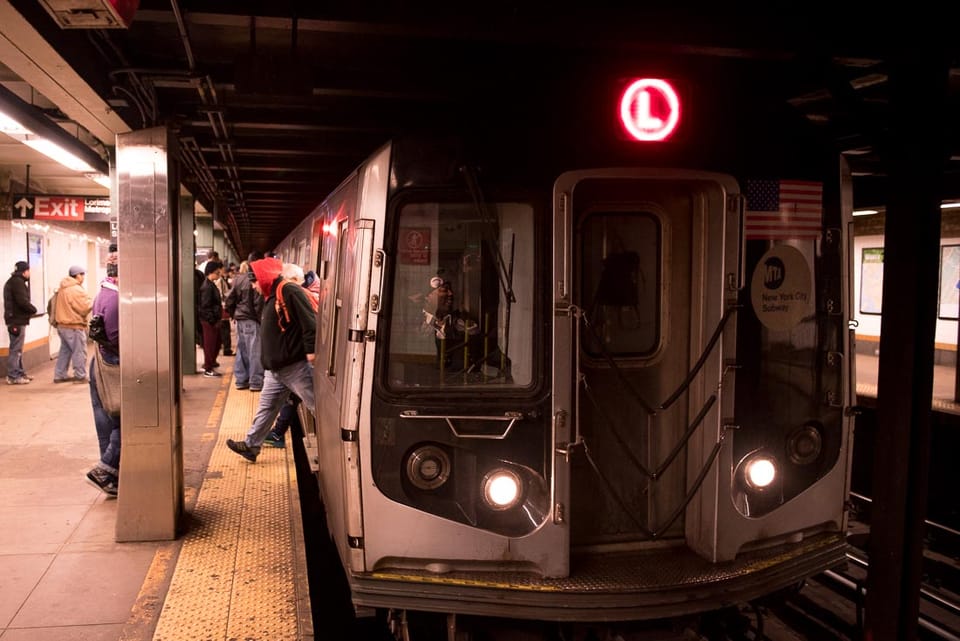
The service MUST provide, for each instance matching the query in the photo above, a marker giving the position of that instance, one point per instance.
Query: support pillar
(916, 160)
(150, 500)
(188, 301)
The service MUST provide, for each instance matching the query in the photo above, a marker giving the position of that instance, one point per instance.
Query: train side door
(641, 264)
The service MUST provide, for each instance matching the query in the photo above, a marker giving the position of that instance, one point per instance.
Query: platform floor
(237, 571)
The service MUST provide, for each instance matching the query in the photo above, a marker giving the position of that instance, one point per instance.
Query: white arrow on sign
(23, 205)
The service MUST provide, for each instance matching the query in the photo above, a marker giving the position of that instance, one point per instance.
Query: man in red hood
(266, 270)
(288, 329)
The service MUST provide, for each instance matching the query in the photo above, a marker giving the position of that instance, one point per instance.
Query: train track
(816, 612)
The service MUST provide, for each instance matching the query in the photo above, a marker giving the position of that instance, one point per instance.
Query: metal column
(917, 159)
(151, 471)
(188, 305)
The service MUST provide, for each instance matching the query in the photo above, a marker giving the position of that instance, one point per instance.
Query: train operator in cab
(288, 328)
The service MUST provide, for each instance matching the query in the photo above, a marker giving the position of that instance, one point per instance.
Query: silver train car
(581, 377)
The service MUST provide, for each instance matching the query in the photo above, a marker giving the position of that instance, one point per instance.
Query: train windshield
(462, 296)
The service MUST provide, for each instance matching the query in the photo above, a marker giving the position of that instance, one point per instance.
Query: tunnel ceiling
(274, 103)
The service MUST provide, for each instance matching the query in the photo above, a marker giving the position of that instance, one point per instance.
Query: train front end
(622, 399)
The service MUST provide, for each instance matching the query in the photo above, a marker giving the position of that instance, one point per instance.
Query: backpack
(283, 313)
(52, 309)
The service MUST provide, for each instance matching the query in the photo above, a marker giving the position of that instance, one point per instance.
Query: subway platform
(236, 571)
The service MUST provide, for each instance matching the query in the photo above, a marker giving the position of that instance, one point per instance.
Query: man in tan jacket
(72, 312)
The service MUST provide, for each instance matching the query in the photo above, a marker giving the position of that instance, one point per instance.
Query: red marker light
(650, 109)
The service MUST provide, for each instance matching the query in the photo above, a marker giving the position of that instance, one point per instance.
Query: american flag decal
(782, 209)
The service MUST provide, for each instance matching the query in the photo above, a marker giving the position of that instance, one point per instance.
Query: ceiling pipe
(208, 96)
(182, 28)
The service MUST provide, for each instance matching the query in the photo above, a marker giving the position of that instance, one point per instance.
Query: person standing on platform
(288, 328)
(106, 474)
(245, 305)
(212, 257)
(72, 312)
(211, 310)
(17, 310)
(223, 284)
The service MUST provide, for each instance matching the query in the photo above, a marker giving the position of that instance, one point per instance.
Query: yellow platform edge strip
(241, 571)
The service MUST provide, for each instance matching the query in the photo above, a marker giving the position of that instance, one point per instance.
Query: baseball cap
(77, 269)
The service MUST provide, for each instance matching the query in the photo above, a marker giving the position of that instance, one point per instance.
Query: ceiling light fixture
(27, 124)
(100, 179)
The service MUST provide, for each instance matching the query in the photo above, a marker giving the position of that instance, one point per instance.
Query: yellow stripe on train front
(439, 580)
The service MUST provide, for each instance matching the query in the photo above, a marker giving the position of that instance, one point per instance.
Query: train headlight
(760, 472)
(502, 489)
(805, 444)
(428, 467)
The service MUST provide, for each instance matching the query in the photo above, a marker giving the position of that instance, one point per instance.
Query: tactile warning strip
(238, 575)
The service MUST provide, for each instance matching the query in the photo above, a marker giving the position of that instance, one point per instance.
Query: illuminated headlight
(502, 489)
(428, 467)
(760, 472)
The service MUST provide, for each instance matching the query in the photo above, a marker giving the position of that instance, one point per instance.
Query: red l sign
(650, 109)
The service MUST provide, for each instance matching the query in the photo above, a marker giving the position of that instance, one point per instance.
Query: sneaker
(211, 373)
(229, 353)
(29, 378)
(62, 380)
(104, 480)
(242, 387)
(244, 450)
(81, 379)
(274, 440)
(23, 380)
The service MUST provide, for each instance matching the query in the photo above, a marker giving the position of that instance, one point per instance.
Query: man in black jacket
(211, 310)
(288, 328)
(244, 303)
(17, 310)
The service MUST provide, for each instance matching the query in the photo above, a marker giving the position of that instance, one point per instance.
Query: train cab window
(619, 279)
(463, 297)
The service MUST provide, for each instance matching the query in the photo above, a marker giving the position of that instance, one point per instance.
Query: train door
(646, 266)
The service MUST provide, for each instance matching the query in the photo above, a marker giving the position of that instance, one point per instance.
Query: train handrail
(684, 384)
(512, 417)
(657, 532)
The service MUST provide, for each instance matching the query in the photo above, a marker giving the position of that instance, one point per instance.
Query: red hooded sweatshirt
(266, 270)
(290, 339)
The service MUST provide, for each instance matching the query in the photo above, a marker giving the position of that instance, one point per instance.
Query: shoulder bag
(108, 383)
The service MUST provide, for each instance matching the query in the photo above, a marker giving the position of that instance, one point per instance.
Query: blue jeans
(247, 366)
(277, 385)
(108, 427)
(73, 347)
(15, 359)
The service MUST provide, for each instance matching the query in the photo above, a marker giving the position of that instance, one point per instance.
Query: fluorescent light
(950, 206)
(11, 127)
(865, 212)
(100, 179)
(57, 153)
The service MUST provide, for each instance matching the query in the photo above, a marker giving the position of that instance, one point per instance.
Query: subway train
(585, 368)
